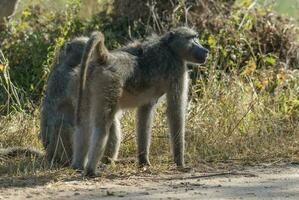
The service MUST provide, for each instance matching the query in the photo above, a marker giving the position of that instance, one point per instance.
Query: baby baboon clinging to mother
(111, 81)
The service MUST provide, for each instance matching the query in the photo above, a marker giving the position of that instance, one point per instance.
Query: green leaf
(270, 60)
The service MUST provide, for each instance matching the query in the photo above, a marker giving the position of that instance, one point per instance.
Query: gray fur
(58, 107)
(144, 118)
(111, 81)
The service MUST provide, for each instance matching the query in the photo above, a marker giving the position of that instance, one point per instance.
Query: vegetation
(244, 102)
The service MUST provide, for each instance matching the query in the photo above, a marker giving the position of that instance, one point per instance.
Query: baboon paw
(90, 173)
(77, 168)
(145, 166)
(144, 163)
(108, 161)
(184, 169)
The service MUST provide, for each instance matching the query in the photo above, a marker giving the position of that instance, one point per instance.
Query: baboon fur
(111, 81)
(58, 107)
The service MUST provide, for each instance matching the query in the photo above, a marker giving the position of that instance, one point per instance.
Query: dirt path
(252, 183)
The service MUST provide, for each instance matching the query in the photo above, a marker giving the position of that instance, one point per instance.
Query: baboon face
(184, 42)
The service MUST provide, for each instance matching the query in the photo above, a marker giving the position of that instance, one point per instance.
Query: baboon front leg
(144, 124)
(113, 144)
(176, 100)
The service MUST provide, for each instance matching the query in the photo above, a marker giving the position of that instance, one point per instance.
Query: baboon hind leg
(144, 124)
(80, 146)
(103, 115)
(113, 144)
(81, 136)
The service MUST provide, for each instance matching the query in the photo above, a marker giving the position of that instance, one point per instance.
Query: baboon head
(184, 43)
(71, 52)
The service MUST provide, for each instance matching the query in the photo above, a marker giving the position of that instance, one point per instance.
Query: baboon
(111, 81)
(7, 10)
(58, 107)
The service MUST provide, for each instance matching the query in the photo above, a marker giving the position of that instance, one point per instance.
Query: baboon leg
(113, 144)
(176, 100)
(144, 124)
(64, 144)
(50, 146)
(59, 148)
(81, 137)
(100, 133)
(98, 142)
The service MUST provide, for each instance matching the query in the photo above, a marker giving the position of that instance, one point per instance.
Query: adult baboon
(111, 81)
(58, 107)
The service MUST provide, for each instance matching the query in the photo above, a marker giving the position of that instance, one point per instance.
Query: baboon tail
(26, 151)
(95, 46)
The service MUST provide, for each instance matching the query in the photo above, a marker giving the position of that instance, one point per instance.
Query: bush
(243, 39)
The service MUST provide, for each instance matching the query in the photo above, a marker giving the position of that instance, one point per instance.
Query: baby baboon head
(184, 43)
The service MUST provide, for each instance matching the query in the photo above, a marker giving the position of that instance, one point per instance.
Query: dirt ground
(250, 183)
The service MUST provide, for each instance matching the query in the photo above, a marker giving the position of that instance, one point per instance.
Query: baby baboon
(111, 81)
(58, 107)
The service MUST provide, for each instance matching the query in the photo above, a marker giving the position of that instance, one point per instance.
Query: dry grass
(228, 121)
